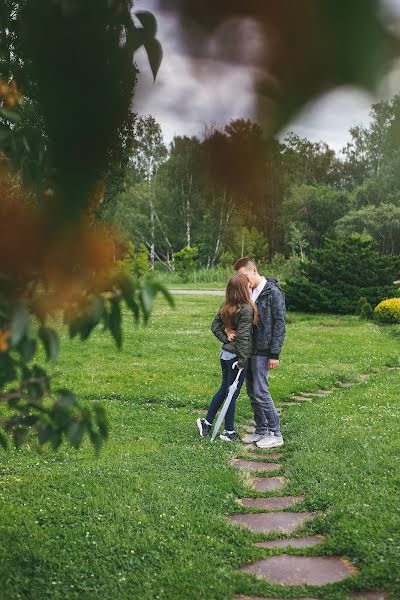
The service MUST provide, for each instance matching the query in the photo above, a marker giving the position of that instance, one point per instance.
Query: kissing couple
(251, 326)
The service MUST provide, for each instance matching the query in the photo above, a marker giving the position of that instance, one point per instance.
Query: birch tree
(149, 153)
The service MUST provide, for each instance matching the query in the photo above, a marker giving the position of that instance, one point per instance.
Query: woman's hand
(231, 333)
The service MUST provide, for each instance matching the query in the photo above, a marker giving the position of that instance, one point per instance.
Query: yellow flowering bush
(388, 311)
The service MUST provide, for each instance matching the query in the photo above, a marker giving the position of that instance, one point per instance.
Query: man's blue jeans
(228, 377)
(265, 413)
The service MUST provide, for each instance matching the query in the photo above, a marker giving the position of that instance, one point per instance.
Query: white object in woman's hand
(236, 366)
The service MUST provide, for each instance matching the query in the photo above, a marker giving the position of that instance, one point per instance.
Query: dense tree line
(234, 192)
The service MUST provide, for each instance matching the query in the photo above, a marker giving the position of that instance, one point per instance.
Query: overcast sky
(192, 93)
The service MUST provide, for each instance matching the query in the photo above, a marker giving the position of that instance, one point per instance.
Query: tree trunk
(152, 247)
(186, 206)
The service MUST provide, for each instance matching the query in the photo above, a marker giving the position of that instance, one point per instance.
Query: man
(268, 337)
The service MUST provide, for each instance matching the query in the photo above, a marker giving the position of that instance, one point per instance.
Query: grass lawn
(147, 519)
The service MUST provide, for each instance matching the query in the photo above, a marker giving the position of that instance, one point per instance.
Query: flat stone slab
(268, 484)
(252, 465)
(271, 503)
(249, 428)
(364, 377)
(270, 455)
(370, 596)
(302, 398)
(320, 394)
(280, 522)
(301, 570)
(345, 384)
(301, 542)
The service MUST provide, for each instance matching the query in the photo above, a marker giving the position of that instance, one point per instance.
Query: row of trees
(232, 192)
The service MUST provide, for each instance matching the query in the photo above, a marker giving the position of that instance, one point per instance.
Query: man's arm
(278, 309)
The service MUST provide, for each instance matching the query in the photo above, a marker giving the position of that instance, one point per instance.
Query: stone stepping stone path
(300, 542)
(345, 384)
(370, 596)
(272, 522)
(285, 568)
(264, 598)
(364, 377)
(301, 570)
(249, 428)
(276, 503)
(252, 465)
(270, 455)
(267, 484)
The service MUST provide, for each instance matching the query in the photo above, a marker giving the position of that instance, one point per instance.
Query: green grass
(147, 519)
(215, 277)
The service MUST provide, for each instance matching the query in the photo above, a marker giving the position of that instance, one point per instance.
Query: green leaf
(8, 370)
(19, 435)
(115, 322)
(27, 348)
(55, 438)
(96, 308)
(3, 441)
(96, 440)
(101, 420)
(75, 433)
(165, 292)
(35, 391)
(30, 420)
(10, 115)
(146, 296)
(4, 133)
(44, 432)
(66, 399)
(20, 322)
(155, 55)
(74, 327)
(92, 315)
(51, 342)
(39, 372)
(148, 22)
(128, 289)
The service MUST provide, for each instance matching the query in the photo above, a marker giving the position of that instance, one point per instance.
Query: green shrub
(360, 304)
(135, 261)
(226, 260)
(185, 262)
(339, 273)
(388, 311)
(366, 311)
(283, 268)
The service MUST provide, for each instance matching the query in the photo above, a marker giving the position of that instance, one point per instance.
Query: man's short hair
(245, 262)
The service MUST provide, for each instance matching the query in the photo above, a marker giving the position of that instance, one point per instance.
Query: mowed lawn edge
(147, 517)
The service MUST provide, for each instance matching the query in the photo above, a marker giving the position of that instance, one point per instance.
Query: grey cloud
(192, 91)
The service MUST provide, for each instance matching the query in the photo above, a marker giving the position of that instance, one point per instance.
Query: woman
(238, 313)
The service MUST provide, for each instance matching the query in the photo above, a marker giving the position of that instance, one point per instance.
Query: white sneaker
(271, 440)
(250, 438)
